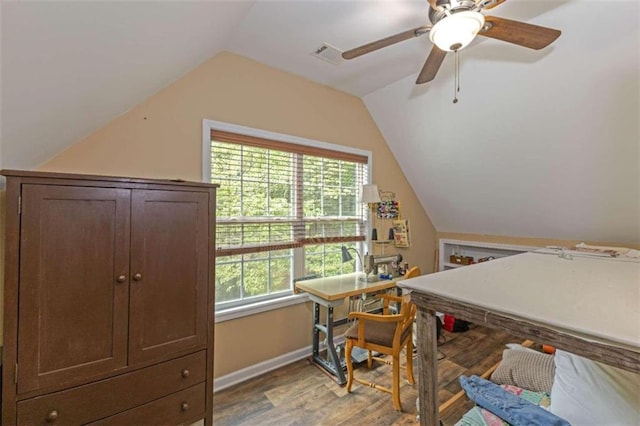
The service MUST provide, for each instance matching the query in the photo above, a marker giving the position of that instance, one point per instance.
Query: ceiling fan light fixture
(457, 30)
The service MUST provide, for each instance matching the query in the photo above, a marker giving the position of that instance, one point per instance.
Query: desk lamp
(366, 268)
(346, 256)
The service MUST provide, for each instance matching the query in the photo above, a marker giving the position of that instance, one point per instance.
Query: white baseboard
(247, 373)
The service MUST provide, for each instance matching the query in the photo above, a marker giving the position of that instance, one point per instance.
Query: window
(284, 209)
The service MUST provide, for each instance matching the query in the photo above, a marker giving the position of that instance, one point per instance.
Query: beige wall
(162, 138)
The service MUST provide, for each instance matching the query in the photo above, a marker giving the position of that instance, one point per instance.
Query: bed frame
(467, 294)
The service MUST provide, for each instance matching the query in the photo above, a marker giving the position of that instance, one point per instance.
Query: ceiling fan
(455, 23)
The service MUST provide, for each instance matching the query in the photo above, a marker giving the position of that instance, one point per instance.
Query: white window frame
(289, 299)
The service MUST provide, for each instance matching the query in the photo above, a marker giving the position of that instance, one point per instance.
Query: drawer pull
(185, 373)
(137, 277)
(184, 406)
(52, 416)
(121, 278)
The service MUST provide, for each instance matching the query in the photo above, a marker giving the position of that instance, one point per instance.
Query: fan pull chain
(456, 80)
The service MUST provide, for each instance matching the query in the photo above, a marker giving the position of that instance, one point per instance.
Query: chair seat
(379, 333)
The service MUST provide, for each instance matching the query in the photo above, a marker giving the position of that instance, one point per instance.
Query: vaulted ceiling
(541, 144)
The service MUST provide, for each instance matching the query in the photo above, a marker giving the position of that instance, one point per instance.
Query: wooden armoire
(108, 300)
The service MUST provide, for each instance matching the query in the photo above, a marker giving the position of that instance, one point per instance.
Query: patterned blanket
(478, 416)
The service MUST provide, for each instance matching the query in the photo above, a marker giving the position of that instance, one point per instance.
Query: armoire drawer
(182, 407)
(83, 404)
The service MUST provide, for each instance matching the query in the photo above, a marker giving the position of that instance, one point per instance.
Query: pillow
(526, 369)
(519, 347)
(588, 393)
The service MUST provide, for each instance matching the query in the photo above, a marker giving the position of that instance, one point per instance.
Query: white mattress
(594, 298)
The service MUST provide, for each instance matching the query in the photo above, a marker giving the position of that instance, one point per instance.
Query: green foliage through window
(283, 211)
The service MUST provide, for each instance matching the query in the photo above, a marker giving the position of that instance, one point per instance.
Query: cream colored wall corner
(162, 138)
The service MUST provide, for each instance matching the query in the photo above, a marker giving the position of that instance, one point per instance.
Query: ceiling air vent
(328, 53)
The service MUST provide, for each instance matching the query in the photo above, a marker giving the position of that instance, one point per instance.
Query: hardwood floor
(303, 394)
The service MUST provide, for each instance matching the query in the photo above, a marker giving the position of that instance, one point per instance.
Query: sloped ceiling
(541, 144)
(69, 67)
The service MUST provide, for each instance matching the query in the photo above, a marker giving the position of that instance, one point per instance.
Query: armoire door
(73, 294)
(169, 261)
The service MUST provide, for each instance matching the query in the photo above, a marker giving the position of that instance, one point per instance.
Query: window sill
(256, 308)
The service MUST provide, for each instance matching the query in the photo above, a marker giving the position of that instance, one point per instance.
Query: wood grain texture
(384, 42)
(103, 398)
(286, 395)
(69, 178)
(520, 33)
(67, 282)
(72, 313)
(431, 65)
(11, 280)
(607, 352)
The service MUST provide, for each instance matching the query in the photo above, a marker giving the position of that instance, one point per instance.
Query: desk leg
(333, 365)
(428, 367)
(316, 331)
(337, 364)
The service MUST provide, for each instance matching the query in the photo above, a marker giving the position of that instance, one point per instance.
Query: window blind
(277, 195)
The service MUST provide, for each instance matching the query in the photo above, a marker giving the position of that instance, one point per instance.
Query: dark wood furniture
(109, 300)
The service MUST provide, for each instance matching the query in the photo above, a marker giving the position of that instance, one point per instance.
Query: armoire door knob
(137, 277)
(121, 278)
(52, 416)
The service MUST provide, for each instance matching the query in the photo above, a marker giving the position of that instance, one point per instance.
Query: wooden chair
(412, 272)
(387, 334)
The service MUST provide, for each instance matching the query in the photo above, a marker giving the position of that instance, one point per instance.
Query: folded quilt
(478, 416)
(507, 406)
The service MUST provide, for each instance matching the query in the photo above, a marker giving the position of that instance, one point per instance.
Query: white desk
(331, 292)
(587, 306)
